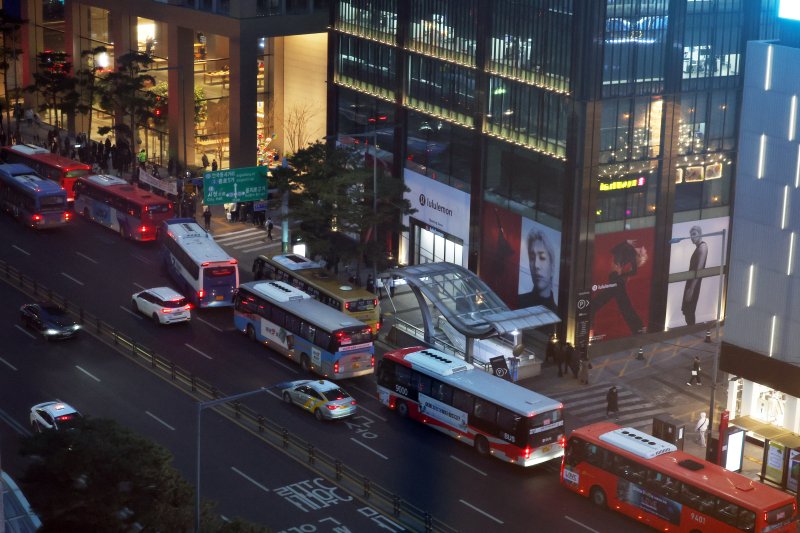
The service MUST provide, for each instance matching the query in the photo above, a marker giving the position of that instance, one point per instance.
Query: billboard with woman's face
(540, 257)
(621, 279)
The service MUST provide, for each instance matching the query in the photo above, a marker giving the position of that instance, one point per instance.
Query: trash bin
(669, 429)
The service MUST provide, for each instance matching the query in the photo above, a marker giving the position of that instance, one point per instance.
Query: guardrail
(269, 431)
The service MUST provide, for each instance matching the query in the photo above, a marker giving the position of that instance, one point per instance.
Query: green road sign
(235, 185)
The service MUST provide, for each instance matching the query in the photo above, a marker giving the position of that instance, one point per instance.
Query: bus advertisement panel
(207, 275)
(319, 338)
(652, 481)
(111, 201)
(310, 277)
(54, 167)
(31, 199)
(495, 416)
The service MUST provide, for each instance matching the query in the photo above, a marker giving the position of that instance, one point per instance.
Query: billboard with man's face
(540, 258)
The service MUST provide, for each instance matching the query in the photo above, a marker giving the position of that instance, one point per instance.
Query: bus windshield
(355, 306)
(79, 173)
(54, 202)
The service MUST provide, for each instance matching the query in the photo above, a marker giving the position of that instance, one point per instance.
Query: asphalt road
(95, 268)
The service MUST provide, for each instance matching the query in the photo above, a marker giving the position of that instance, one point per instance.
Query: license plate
(220, 297)
(547, 448)
(356, 365)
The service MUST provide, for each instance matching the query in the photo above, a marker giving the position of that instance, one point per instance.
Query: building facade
(564, 150)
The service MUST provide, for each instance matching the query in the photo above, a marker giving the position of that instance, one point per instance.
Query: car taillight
(37, 218)
(331, 407)
(562, 441)
(189, 307)
(346, 306)
(201, 294)
(526, 453)
(336, 367)
(375, 302)
(166, 310)
(143, 229)
(372, 361)
(67, 216)
(377, 326)
(353, 402)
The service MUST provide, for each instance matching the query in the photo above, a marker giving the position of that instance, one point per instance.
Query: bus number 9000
(401, 390)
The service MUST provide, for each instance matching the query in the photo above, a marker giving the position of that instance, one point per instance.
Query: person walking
(204, 161)
(571, 359)
(214, 165)
(142, 157)
(583, 371)
(270, 226)
(559, 353)
(612, 402)
(207, 218)
(701, 428)
(695, 372)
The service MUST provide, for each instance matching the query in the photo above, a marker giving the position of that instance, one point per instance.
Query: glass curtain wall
(97, 56)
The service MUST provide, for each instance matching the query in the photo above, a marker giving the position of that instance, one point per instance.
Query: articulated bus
(60, 169)
(651, 481)
(495, 416)
(310, 277)
(321, 339)
(111, 201)
(31, 199)
(207, 275)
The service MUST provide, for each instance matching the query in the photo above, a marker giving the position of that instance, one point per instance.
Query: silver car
(324, 398)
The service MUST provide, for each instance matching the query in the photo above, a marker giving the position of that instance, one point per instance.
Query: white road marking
(198, 351)
(379, 454)
(142, 259)
(484, 513)
(79, 282)
(131, 312)
(9, 365)
(376, 415)
(223, 236)
(251, 480)
(454, 458)
(25, 331)
(287, 367)
(259, 247)
(20, 249)
(87, 257)
(88, 373)
(142, 287)
(154, 417)
(207, 323)
(275, 394)
(580, 524)
(244, 243)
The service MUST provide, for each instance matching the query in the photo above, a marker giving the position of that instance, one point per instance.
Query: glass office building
(565, 150)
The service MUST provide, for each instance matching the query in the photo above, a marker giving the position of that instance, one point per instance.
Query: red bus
(650, 480)
(495, 416)
(60, 169)
(127, 209)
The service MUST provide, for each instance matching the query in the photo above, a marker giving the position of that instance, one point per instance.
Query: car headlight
(76, 327)
(51, 331)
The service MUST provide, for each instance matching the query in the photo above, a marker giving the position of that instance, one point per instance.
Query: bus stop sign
(235, 185)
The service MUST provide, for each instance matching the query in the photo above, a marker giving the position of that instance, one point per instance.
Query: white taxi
(325, 399)
(163, 304)
(54, 415)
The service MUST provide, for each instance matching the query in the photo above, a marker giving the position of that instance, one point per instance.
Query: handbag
(694, 372)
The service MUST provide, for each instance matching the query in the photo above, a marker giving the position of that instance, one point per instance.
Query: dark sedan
(50, 320)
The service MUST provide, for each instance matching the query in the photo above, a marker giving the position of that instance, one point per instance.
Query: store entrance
(433, 246)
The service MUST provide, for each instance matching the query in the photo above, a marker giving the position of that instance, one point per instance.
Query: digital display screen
(789, 9)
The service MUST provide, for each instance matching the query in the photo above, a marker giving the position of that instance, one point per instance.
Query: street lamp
(200, 407)
(715, 366)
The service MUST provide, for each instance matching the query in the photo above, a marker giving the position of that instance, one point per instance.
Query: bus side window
(485, 411)
(402, 375)
(442, 392)
(277, 316)
(747, 520)
(421, 383)
(462, 401)
(574, 453)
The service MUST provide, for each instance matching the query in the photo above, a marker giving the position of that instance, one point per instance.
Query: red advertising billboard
(499, 260)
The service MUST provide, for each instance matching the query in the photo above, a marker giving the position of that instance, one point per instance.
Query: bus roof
(197, 242)
(28, 149)
(122, 188)
(280, 291)
(43, 155)
(24, 177)
(450, 369)
(683, 466)
(312, 310)
(313, 272)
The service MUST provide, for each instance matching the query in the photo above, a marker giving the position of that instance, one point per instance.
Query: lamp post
(200, 407)
(723, 233)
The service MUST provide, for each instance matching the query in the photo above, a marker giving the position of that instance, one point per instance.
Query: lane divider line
(207, 323)
(17, 248)
(79, 282)
(88, 373)
(87, 258)
(25, 331)
(580, 524)
(454, 458)
(251, 480)
(131, 312)
(481, 511)
(198, 351)
(376, 452)
(154, 417)
(9, 365)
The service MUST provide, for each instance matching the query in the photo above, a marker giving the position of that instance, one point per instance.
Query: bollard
(311, 457)
(172, 372)
(261, 423)
(396, 505)
(237, 409)
(338, 465)
(194, 383)
(367, 487)
(640, 354)
(708, 335)
(285, 435)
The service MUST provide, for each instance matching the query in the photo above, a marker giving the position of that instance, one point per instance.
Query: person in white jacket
(702, 428)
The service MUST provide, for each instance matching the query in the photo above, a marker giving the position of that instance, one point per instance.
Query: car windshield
(180, 302)
(53, 310)
(69, 421)
(336, 394)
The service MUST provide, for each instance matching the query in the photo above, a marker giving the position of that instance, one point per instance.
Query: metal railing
(270, 432)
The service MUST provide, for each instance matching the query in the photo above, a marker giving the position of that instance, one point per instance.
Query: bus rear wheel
(481, 445)
(251, 332)
(598, 497)
(122, 232)
(305, 364)
(401, 408)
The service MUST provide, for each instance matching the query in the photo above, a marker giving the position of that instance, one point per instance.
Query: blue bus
(35, 201)
(206, 275)
(318, 337)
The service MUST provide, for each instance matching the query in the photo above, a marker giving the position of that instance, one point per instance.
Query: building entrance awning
(768, 431)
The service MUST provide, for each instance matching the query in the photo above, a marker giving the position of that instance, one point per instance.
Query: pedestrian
(583, 370)
(204, 160)
(559, 352)
(214, 165)
(370, 283)
(270, 225)
(571, 359)
(207, 218)
(142, 157)
(612, 402)
(695, 372)
(29, 116)
(701, 428)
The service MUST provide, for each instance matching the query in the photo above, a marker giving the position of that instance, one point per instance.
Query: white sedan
(54, 415)
(163, 304)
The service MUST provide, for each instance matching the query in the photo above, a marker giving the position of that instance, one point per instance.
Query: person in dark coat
(214, 165)
(559, 354)
(695, 372)
(612, 402)
(204, 161)
(571, 359)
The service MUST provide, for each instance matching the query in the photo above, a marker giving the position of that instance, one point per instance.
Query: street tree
(124, 94)
(54, 83)
(10, 27)
(87, 85)
(104, 477)
(335, 203)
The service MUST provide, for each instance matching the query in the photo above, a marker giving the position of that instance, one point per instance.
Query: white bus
(205, 273)
(496, 416)
(320, 338)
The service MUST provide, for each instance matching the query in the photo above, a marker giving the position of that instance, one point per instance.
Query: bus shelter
(465, 303)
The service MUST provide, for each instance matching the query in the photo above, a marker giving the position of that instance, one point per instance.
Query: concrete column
(243, 85)
(180, 120)
(791, 415)
(278, 94)
(122, 29)
(749, 398)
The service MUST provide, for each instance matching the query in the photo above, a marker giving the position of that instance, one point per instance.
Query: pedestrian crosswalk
(246, 240)
(587, 405)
